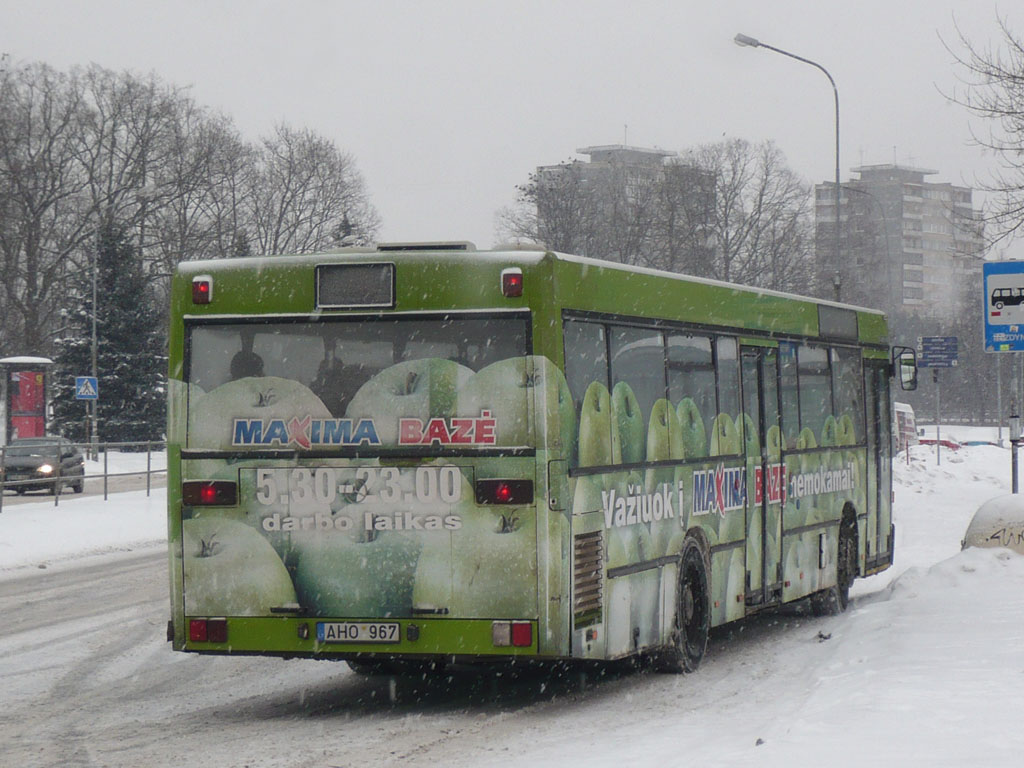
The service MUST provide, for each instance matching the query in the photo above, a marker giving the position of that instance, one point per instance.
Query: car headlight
(45, 469)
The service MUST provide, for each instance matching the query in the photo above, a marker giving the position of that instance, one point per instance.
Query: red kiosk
(24, 397)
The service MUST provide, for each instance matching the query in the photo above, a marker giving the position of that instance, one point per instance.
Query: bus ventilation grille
(588, 559)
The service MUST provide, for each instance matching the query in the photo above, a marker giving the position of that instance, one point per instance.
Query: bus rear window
(337, 368)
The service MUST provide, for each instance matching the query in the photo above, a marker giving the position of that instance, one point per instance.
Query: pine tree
(131, 362)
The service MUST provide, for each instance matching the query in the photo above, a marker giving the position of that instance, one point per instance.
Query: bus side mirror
(904, 364)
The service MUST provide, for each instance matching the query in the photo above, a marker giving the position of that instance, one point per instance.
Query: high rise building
(908, 246)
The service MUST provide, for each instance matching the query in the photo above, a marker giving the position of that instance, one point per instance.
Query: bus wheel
(693, 614)
(834, 600)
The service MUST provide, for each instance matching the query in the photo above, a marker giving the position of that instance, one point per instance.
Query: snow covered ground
(925, 669)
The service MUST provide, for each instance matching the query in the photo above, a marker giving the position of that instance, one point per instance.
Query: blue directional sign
(86, 388)
(1004, 305)
(937, 351)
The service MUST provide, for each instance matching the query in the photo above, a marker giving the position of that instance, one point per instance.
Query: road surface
(93, 487)
(88, 679)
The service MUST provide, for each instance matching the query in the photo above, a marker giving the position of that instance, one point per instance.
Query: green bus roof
(437, 277)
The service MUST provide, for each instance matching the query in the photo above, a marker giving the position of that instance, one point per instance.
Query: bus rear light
(209, 493)
(197, 630)
(208, 630)
(522, 634)
(517, 634)
(217, 630)
(504, 491)
(202, 289)
(512, 282)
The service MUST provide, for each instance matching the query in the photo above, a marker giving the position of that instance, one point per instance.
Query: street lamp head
(745, 41)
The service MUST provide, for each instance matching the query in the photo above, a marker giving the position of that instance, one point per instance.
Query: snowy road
(89, 680)
(925, 669)
(93, 487)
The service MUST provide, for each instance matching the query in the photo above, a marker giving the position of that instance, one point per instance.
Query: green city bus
(427, 454)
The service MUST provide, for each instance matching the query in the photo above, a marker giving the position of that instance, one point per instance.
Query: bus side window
(815, 382)
(691, 373)
(847, 381)
(586, 362)
(727, 368)
(638, 360)
(789, 396)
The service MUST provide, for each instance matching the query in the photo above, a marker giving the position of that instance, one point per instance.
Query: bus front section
(368, 486)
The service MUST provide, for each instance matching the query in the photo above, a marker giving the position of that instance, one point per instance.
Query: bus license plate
(357, 632)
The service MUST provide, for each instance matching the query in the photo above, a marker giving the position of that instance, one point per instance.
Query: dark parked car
(37, 459)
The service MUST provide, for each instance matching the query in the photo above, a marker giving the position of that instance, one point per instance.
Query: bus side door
(765, 475)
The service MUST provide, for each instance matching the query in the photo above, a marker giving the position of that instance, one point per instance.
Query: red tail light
(522, 634)
(206, 493)
(197, 631)
(208, 630)
(518, 634)
(202, 289)
(504, 491)
(512, 282)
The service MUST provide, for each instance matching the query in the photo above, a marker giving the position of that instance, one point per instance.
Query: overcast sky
(447, 105)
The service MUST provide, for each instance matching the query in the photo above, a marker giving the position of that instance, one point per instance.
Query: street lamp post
(750, 42)
(94, 427)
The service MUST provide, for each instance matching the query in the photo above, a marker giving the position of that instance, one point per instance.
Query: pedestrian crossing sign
(86, 388)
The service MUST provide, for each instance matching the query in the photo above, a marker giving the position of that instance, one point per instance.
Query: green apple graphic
(643, 601)
(748, 435)
(587, 496)
(773, 440)
(695, 438)
(806, 439)
(525, 395)
(846, 434)
(630, 420)
(623, 549)
(728, 579)
(807, 464)
(494, 565)
(339, 576)
(231, 570)
(211, 416)
(725, 438)
(432, 584)
(829, 432)
(664, 443)
(422, 389)
(599, 442)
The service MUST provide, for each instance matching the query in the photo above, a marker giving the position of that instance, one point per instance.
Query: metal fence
(21, 479)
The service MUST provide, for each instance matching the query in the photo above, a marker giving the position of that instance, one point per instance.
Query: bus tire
(833, 601)
(692, 623)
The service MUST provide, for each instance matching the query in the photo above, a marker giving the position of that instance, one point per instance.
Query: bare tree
(730, 210)
(91, 150)
(759, 218)
(307, 195)
(993, 90)
(43, 196)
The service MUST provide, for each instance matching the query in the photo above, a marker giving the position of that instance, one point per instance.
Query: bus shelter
(24, 397)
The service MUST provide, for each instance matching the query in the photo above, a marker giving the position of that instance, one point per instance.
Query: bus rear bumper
(347, 638)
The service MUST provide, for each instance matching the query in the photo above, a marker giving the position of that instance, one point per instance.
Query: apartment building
(907, 245)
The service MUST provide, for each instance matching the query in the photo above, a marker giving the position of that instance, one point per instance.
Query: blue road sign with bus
(86, 388)
(1004, 305)
(937, 351)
